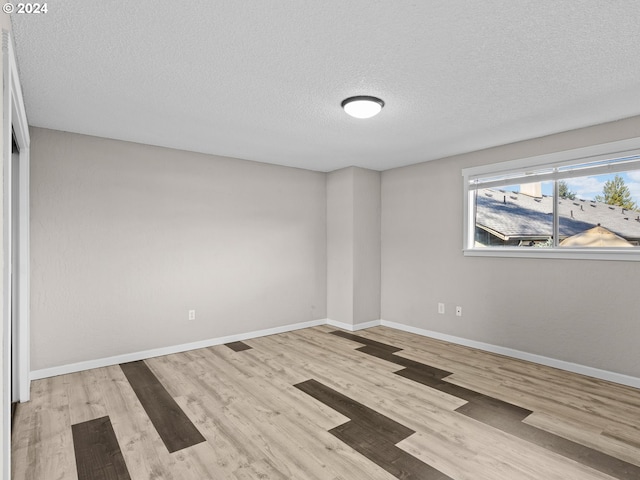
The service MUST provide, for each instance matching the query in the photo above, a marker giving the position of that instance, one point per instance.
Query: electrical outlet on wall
(458, 311)
(441, 308)
(192, 314)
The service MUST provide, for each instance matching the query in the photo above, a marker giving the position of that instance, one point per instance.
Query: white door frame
(14, 122)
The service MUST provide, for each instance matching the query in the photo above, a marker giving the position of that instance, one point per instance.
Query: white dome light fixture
(362, 106)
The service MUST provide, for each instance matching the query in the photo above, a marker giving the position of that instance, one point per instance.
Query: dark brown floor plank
(587, 456)
(394, 460)
(372, 434)
(98, 455)
(171, 423)
(495, 412)
(238, 346)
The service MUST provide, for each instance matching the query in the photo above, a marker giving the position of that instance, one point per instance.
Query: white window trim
(619, 148)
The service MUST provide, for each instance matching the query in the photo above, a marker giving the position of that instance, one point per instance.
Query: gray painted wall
(580, 311)
(353, 245)
(366, 251)
(340, 237)
(126, 238)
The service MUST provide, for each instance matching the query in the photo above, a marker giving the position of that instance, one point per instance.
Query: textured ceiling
(263, 79)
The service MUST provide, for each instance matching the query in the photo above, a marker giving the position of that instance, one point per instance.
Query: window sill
(610, 254)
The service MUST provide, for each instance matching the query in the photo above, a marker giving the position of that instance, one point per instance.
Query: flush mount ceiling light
(362, 106)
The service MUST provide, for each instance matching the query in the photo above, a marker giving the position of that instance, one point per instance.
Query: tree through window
(585, 203)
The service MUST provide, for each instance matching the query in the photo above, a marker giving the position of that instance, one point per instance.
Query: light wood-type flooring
(327, 405)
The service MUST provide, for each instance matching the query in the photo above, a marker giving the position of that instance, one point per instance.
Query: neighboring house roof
(514, 215)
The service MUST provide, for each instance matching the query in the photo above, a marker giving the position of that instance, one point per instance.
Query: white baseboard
(531, 357)
(509, 352)
(158, 352)
(353, 328)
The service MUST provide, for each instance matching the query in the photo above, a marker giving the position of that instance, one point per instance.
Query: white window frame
(619, 149)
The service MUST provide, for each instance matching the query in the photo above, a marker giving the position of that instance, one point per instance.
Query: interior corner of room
(125, 238)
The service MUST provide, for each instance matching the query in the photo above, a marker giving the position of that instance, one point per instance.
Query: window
(582, 203)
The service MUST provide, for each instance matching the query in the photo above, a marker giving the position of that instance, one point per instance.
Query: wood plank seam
(98, 454)
(495, 412)
(372, 434)
(172, 424)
